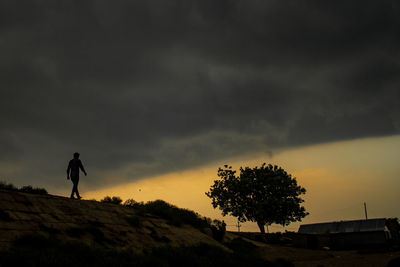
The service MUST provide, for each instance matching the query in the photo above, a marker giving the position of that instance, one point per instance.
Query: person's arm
(68, 170)
(82, 168)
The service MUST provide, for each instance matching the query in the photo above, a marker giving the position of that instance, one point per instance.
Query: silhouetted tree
(131, 203)
(114, 200)
(266, 195)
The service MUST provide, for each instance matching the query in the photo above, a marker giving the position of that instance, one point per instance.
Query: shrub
(25, 189)
(31, 190)
(218, 229)
(174, 215)
(217, 234)
(113, 200)
(132, 203)
(8, 187)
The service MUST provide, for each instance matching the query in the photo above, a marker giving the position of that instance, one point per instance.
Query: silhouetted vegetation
(218, 229)
(113, 200)
(130, 203)
(8, 187)
(265, 195)
(31, 190)
(41, 251)
(26, 189)
(174, 215)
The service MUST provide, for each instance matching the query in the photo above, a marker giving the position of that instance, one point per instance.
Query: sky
(339, 178)
(164, 92)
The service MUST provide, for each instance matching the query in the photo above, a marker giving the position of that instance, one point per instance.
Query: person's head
(76, 155)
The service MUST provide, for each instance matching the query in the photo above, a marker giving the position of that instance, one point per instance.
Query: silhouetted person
(73, 172)
(223, 226)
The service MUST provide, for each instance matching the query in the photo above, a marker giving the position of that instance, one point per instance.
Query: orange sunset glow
(339, 178)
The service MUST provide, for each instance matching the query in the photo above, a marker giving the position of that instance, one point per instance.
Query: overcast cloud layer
(145, 87)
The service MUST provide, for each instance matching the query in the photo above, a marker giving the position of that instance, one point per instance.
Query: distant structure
(348, 234)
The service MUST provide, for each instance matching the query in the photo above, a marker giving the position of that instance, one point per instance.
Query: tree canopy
(266, 195)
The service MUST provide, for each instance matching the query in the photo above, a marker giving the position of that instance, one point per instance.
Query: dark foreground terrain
(37, 229)
(306, 257)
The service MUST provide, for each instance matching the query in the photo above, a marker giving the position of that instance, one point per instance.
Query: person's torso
(75, 164)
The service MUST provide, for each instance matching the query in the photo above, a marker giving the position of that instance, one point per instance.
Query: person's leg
(75, 188)
(76, 181)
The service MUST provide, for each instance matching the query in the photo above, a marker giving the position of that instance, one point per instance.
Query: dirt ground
(310, 258)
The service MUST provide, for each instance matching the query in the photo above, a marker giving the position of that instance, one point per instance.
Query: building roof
(343, 227)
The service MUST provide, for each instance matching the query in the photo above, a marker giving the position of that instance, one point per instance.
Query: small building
(345, 234)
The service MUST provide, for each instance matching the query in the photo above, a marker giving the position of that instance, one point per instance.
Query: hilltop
(38, 229)
(91, 222)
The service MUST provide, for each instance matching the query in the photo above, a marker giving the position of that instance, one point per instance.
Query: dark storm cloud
(155, 86)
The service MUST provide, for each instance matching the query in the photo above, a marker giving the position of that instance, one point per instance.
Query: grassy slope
(46, 230)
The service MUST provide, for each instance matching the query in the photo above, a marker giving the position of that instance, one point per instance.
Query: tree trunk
(261, 226)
